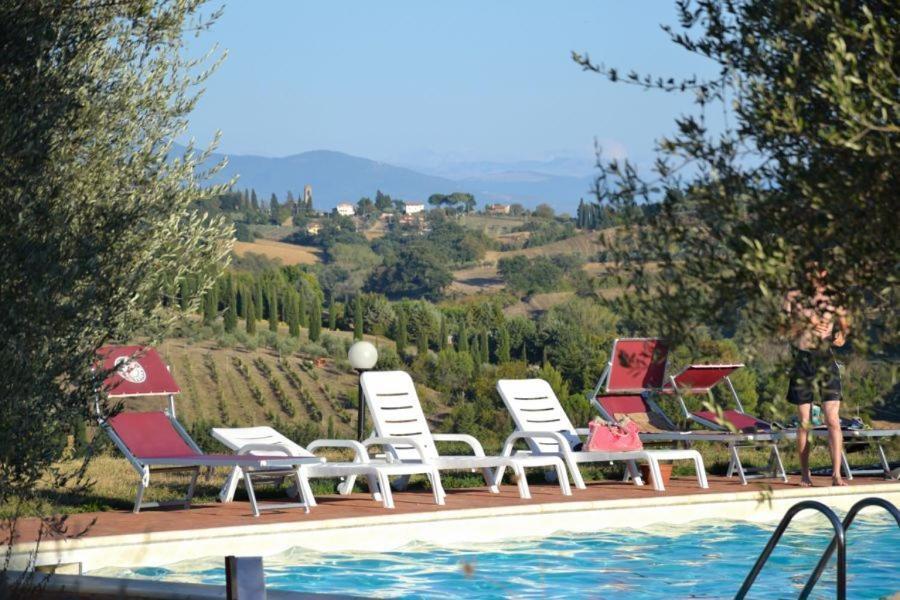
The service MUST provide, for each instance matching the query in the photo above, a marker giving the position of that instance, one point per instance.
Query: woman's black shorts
(814, 371)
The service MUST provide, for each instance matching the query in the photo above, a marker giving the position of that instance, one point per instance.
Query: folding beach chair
(156, 442)
(265, 441)
(698, 379)
(544, 425)
(403, 432)
(637, 367)
(701, 379)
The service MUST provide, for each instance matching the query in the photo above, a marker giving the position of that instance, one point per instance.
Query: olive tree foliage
(96, 224)
(801, 177)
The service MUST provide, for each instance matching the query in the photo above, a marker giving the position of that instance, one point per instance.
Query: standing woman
(816, 327)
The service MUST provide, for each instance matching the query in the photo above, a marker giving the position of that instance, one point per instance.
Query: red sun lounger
(636, 369)
(697, 379)
(155, 441)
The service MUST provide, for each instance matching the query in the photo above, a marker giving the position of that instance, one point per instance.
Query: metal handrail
(848, 520)
(779, 531)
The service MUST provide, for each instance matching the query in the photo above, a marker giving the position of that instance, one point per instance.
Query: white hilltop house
(412, 208)
(345, 209)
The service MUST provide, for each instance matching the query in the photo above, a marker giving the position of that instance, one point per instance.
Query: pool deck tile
(235, 514)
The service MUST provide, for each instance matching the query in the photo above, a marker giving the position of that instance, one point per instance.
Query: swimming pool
(698, 561)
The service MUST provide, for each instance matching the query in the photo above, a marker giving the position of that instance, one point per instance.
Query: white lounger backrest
(396, 411)
(236, 438)
(535, 407)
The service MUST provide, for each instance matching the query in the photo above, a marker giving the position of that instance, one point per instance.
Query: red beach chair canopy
(700, 378)
(638, 364)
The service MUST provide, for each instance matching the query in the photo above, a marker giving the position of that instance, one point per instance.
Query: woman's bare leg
(803, 411)
(835, 438)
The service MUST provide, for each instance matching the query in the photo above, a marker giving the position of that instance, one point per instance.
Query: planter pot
(664, 468)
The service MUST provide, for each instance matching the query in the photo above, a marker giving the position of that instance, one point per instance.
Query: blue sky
(426, 83)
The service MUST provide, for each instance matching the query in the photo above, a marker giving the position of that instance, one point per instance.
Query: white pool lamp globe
(362, 356)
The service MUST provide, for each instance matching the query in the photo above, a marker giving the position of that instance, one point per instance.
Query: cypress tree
(503, 354)
(400, 337)
(475, 353)
(273, 208)
(250, 314)
(301, 308)
(485, 347)
(315, 321)
(524, 351)
(442, 342)
(463, 338)
(422, 341)
(332, 313)
(230, 305)
(357, 318)
(210, 305)
(544, 359)
(241, 306)
(273, 309)
(254, 201)
(293, 314)
(258, 300)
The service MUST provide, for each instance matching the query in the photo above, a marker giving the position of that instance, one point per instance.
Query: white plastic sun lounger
(265, 441)
(543, 424)
(156, 442)
(403, 432)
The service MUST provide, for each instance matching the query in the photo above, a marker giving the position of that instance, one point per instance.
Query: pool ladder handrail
(848, 521)
(779, 531)
(838, 541)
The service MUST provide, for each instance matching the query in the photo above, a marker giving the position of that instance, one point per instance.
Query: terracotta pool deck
(156, 536)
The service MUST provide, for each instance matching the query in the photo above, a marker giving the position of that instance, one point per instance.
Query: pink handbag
(613, 437)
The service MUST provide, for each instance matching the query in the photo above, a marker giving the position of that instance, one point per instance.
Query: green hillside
(307, 393)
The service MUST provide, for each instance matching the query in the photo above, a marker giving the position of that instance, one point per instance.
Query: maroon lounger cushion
(623, 404)
(150, 435)
(741, 421)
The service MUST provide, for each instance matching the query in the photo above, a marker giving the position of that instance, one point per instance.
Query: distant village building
(409, 221)
(345, 209)
(497, 209)
(313, 228)
(412, 208)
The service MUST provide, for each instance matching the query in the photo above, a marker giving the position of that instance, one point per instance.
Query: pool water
(707, 560)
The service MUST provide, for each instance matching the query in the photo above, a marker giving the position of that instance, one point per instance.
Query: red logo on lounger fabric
(135, 371)
(130, 370)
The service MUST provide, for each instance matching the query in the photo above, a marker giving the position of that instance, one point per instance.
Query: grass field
(492, 225)
(584, 244)
(288, 254)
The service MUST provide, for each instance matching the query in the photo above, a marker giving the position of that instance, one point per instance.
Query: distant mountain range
(337, 177)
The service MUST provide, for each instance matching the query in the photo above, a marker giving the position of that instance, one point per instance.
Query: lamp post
(362, 356)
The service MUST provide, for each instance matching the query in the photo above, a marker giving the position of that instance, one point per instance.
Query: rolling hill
(337, 177)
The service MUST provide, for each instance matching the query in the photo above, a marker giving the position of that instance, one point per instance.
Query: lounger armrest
(251, 448)
(460, 437)
(361, 455)
(393, 440)
(526, 435)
